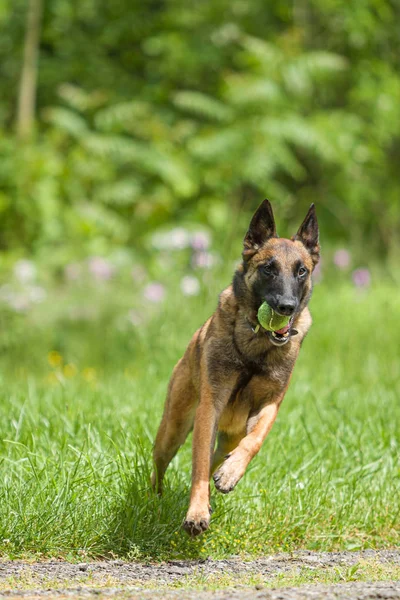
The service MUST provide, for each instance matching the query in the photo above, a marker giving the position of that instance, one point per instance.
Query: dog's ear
(308, 234)
(261, 228)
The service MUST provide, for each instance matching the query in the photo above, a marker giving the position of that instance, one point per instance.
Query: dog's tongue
(284, 329)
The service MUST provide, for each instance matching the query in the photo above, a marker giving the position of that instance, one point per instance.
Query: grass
(75, 442)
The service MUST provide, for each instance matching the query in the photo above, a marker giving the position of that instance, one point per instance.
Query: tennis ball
(269, 319)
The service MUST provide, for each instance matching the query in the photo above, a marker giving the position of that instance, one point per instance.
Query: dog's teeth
(279, 336)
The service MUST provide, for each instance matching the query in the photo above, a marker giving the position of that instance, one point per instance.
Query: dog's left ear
(262, 227)
(308, 234)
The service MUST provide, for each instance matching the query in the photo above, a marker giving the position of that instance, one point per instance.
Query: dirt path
(281, 576)
(346, 591)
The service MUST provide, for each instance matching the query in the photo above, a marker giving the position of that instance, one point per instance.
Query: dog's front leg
(235, 464)
(205, 426)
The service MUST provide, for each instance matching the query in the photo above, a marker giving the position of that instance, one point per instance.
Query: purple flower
(190, 285)
(24, 271)
(154, 292)
(361, 278)
(200, 241)
(342, 258)
(176, 239)
(317, 273)
(135, 318)
(203, 260)
(100, 268)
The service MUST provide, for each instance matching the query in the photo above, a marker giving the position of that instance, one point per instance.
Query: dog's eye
(267, 270)
(302, 272)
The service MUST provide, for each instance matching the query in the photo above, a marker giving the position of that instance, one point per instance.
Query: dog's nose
(286, 307)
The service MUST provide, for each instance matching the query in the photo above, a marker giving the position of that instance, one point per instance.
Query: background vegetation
(136, 140)
(158, 112)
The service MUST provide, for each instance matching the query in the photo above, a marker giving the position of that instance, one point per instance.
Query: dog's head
(278, 270)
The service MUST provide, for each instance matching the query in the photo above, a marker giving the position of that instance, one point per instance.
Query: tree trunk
(28, 82)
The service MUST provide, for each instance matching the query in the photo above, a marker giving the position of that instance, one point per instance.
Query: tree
(29, 73)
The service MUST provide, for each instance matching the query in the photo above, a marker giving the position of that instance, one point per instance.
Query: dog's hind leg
(176, 423)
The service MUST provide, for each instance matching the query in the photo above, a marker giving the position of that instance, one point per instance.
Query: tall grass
(75, 442)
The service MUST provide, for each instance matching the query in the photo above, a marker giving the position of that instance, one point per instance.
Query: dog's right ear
(262, 228)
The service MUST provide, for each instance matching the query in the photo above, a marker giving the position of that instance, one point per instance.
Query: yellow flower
(54, 358)
(89, 374)
(52, 379)
(70, 370)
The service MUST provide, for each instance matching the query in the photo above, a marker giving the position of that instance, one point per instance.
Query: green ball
(269, 319)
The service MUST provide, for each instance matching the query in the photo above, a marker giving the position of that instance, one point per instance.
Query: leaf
(213, 146)
(125, 192)
(120, 116)
(79, 99)
(268, 54)
(247, 90)
(67, 120)
(299, 132)
(103, 219)
(302, 73)
(202, 105)
(124, 150)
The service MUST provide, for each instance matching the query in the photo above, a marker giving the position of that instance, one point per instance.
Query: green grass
(75, 443)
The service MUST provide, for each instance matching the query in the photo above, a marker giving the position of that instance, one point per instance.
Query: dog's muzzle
(282, 336)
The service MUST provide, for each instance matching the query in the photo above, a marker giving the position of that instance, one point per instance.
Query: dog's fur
(232, 378)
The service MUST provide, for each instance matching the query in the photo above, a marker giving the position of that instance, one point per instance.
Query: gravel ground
(126, 580)
(346, 591)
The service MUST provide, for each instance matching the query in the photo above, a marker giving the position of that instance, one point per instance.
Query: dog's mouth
(282, 336)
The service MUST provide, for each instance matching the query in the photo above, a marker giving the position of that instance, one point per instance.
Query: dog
(231, 381)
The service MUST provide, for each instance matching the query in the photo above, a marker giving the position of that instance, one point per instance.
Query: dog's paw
(196, 525)
(197, 522)
(230, 472)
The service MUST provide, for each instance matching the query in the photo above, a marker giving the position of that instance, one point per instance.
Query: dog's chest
(251, 392)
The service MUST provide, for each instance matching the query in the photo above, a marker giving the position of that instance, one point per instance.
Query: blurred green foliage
(159, 112)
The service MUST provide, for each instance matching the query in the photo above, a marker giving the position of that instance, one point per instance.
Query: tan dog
(233, 376)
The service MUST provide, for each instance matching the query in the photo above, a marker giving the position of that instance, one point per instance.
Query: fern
(121, 193)
(66, 120)
(304, 72)
(119, 117)
(251, 91)
(96, 218)
(267, 54)
(211, 146)
(118, 148)
(171, 169)
(258, 168)
(79, 99)
(299, 132)
(202, 105)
